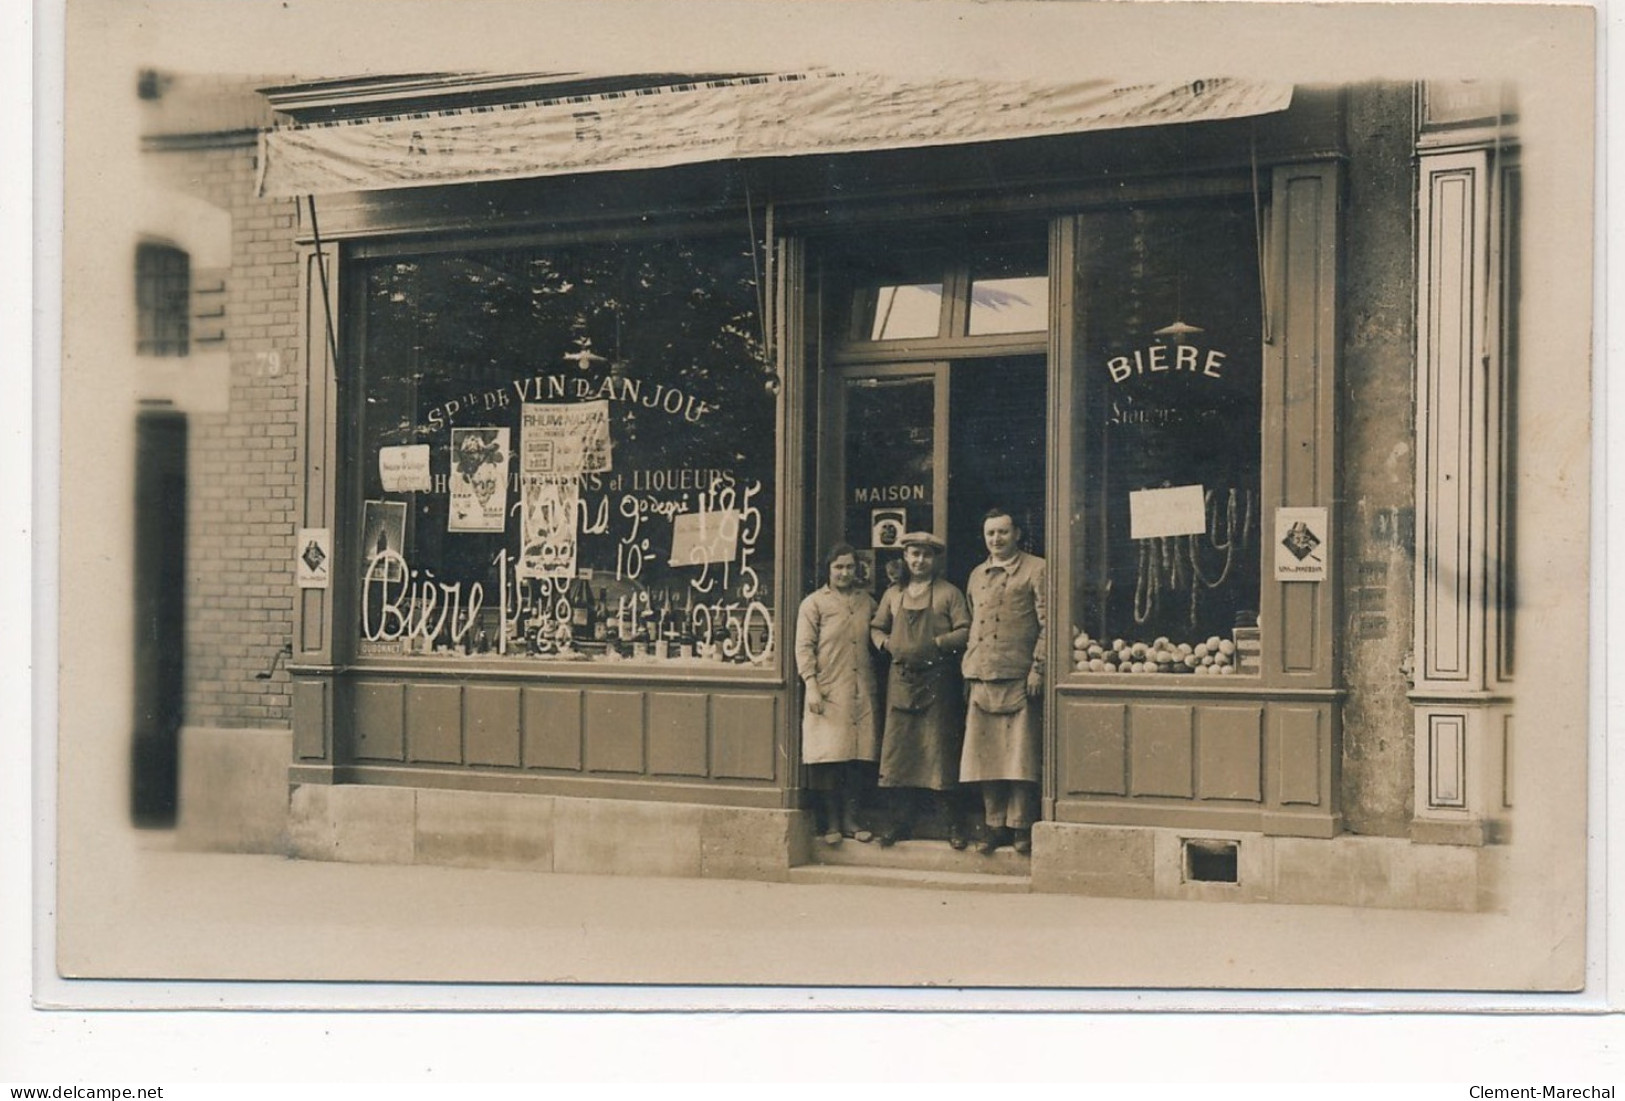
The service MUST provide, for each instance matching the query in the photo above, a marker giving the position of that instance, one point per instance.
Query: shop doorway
(931, 446)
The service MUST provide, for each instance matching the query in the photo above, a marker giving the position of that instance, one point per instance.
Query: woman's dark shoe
(1023, 842)
(992, 838)
(956, 836)
(849, 821)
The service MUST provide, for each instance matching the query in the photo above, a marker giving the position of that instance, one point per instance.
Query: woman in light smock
(1004, 676)
(839, 724)
(922, 622)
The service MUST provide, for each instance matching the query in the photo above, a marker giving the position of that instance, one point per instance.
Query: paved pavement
(178, 915)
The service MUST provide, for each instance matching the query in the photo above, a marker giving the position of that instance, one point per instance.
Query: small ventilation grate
(1210, 861)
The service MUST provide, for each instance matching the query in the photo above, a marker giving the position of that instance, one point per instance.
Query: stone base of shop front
(235, 796)
(544, 833)
(1134, 862)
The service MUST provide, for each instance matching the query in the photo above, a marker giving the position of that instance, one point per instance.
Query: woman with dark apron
(923, 623)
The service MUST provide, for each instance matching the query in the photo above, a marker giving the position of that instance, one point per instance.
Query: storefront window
(565, 454)
(1167, 470)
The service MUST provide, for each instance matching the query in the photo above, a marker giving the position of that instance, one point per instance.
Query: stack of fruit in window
(1214, 657)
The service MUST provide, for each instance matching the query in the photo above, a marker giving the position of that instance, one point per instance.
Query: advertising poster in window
(565, 439)
(548, 516)
(479, 480)
(383, 540)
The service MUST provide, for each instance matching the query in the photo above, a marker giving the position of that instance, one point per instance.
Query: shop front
(587, 393)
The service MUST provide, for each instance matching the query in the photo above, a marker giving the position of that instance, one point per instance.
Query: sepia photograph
(894, 505)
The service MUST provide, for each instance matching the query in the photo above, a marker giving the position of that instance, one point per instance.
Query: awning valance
(735, 118)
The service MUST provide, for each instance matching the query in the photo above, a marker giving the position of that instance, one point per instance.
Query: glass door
(885, 450)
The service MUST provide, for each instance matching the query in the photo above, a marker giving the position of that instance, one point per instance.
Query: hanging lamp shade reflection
(583, 357)
(1179, 330)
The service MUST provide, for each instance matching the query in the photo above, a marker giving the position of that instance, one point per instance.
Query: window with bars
(163, 285)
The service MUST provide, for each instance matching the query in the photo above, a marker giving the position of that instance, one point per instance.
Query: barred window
(163, 286)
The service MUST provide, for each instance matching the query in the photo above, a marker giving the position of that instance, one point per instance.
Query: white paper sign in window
(405, 469)
(703, 538)
(1157, 513)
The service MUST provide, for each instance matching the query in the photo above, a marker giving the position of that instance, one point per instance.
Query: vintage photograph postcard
(648, 503)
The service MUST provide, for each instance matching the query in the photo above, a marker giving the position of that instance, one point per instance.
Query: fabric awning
(736, 118)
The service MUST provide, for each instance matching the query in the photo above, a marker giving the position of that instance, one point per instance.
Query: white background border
(74, 1046)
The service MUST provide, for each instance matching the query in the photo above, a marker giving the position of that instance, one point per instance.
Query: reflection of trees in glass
(654, 316)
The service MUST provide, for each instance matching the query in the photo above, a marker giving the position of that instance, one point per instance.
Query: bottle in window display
(536, 642)
(648, 630)
(580, 610)
(600, 618)
(685, 636)
(684, 626)
(626, 625)
(638, 632)
(673, 618)
(662, 620)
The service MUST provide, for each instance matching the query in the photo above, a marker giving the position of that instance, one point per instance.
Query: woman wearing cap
(923, 623)
(839, 723)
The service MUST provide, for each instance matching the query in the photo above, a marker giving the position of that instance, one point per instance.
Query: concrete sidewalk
(179, 915)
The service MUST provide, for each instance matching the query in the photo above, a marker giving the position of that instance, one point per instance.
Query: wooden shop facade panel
(1219, 761)
(614, 735)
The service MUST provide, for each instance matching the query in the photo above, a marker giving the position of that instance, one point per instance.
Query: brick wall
(242, 463)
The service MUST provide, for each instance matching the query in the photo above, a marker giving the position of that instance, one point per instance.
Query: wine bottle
(624, 624)
(647, 637)
(580, 610)
(685, 627)
(600, 618)
(663, 625)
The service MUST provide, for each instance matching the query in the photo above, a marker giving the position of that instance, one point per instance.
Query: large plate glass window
(564, 454)
(1167, 469)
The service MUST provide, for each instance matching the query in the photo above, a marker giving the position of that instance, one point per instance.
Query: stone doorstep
(920, 856)
(853, 875)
